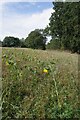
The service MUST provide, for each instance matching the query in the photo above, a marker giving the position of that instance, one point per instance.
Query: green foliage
(11, 42)
(30, 92)
(22, 43)
(0, 43)
(46, 31)
(54, 44)
(64, 25)
(35, 40)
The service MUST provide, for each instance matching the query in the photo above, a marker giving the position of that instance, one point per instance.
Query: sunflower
(45, 70)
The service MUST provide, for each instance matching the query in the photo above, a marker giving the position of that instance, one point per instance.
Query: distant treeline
(36, 40)
(63, 28)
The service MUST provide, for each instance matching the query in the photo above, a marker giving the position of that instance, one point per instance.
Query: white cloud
(21, 25)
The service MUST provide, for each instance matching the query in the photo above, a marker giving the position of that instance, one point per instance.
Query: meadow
(39, 84)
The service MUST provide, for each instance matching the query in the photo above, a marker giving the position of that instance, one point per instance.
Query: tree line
(63, 27)
(35, 40)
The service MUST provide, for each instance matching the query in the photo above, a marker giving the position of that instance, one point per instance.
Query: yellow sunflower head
(45, 70)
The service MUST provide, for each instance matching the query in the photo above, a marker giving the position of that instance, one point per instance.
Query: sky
(18, 19)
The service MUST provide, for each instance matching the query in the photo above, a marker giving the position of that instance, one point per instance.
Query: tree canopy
(0, 43)
(11, 42)
(36, 40)
(64, 26)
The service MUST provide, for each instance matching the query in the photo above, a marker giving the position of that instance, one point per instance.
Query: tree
(64, 25)
(53, 44)
(22, 43)
(0, 43)
(11, 42)
(55, 21)
(36, 40)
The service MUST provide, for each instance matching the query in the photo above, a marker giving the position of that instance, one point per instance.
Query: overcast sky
(20, 18)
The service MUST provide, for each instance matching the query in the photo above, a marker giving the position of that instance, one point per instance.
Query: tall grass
(29, 92)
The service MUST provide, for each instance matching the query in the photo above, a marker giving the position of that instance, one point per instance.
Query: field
(39, 84)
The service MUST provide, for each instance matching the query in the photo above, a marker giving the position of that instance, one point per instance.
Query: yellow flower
(45, 70)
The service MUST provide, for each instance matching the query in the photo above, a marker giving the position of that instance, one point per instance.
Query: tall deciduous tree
(64, 25)
(36, 40)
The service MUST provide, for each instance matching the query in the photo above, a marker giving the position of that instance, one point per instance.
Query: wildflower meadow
(39, 84)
